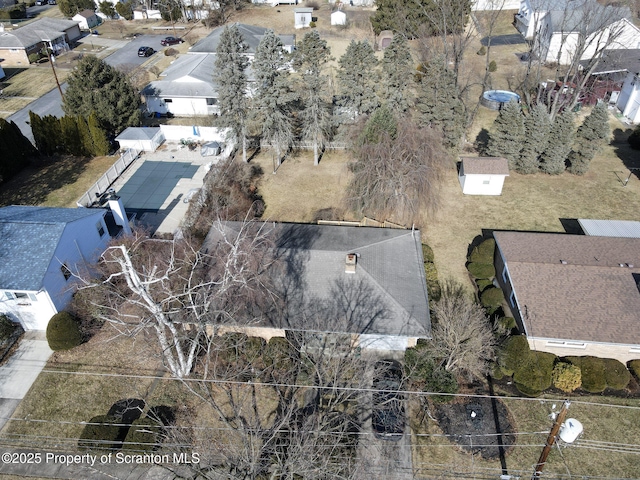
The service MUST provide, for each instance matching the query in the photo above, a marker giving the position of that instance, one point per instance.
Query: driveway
(21, 370)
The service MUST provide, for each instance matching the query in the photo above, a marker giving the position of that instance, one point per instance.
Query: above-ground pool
(494, 99)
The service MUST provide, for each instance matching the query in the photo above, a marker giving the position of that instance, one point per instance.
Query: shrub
(427, 254)
(145, 434)
(170, 52)
(533, 374)
(483, 283)
(423, 370)
(508, 323)
(482, 51)
(616, 374)
(63, 332)
(634, 367)
(487, 249)
(566, 377)
(433, 285)
(512, 352)
(34, 57)
(313, 4)
(497, 372)
(100, 434)
(312, 24)
(493, 66)
(593, 375)
(481, 270)
(7, 327)
(491, 298)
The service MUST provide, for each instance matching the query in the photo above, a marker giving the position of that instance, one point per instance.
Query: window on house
(512, 299)
(634, 350)
(486, 182)
(504, 275)
(212, 101)
(32, 297)
(9, 295)
(168, 100)
(558, 343)
(100, 229)
(65, 271)
(21, 295)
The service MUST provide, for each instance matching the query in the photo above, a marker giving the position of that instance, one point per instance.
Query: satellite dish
(570, 430)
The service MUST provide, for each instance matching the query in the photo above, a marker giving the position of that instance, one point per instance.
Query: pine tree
(536, 127)
(381, 123)
(99, 140)
(397, 69)
(590, 137)
(507, 134)
(439, 103)
(15, 150)
(231, 78)
(97, 86)
(274, 97)
(559, 141)
(357, 78)
(71, 140)
(312, 56)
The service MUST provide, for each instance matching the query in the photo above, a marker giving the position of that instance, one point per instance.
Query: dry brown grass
(24, 85)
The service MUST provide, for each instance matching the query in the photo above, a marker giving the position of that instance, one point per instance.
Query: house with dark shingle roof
(251, 34)
(482, 175)
(573, 294)
(362, 283)
(40, 249)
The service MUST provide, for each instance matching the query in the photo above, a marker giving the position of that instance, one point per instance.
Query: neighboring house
(302, 17)
(358, 285)
(573, 294)
(146, 139)
(186, 89)
(483, 175)
(556, 28)
(610, 228)
(41, 248)
(251, 35)
(51, 33)
(629, 97)
(87, 19)
(338, 18)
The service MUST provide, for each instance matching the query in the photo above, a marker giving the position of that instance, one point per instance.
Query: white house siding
(385, 342)
(173, 133)
(629, 99)
(73, 33)
(574, 348)
(33, 309)
(181, 106)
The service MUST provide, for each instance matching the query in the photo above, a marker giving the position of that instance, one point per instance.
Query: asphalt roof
(30, 236)
(610, 228)
(389, 274)
(35, 32)
(616, 60)
(485, 165)
(575, 287)
(250, 33)
(138, 133)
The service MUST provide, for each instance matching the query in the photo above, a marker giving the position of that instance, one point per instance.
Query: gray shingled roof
(29, 237)
(389, 269)
(250, 33)
(616, 60)
(138, 133)
(485, 166)
(589, 297)
(35, 32)
(610, 228)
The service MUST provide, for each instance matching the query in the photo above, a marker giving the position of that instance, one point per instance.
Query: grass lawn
(59, 184)
(24, 85)
(433, 453)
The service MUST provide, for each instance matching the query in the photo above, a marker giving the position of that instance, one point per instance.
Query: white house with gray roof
(41, 248)
(362, 285)
(251, 34)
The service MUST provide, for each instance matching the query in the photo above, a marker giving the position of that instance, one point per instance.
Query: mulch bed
(476, 424)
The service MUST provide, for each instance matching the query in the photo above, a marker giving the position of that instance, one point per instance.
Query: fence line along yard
(107, 179)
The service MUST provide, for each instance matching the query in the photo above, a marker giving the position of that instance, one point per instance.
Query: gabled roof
(485, 165)
(250, 33)
(610, 228)
(29, 237)
(44, 29)
(616, 60)
(575, 287)
(586, 16)
(86, 13)
(389, 272)
(138, 133)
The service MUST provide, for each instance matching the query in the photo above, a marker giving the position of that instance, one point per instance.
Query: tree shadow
(481, 143)
(32, 185)
(630, 157)
(499, 40)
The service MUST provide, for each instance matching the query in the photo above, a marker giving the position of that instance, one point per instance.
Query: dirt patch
(478, 425)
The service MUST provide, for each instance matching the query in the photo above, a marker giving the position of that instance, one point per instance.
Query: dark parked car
(170, 41)
(145, 51)
(388, 417)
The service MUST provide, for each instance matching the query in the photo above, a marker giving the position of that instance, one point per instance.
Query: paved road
(35, 10)
(126, 53)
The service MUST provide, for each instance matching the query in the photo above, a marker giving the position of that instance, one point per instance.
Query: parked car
(145, 51)
(170, 41)
(41, 2)
(388, 415)
(52, 2)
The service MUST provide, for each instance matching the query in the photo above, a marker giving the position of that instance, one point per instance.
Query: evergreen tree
(507, 134)
(97, 86)
(397, 69)
(106, 8)
(381, 123)
(70, 7)
(439, 103)
(590, 137)
(357, 78)
(274, 97)
(15, 150)
(536, 127)
(70, 135)
(559, 142)
(231, 78)
(312, 56)
(47, 133)
(98, 137)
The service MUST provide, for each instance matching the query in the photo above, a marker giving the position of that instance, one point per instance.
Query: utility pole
(551, 440)
(55, 75)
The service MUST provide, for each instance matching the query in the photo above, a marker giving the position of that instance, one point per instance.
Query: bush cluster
(481, 260)
(531, 370)
(601, 373)
(482, 270)
(634, 367)
(431, 273)
(423, 370)
(491, 299)
(566, 377)
(63, 332)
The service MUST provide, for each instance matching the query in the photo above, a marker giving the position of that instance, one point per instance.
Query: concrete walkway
(21, 370)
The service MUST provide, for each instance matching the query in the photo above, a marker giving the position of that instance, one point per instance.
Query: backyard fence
(110, 176)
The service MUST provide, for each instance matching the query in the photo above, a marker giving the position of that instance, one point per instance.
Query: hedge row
(601, 373)
(481, 260)
(431, 273)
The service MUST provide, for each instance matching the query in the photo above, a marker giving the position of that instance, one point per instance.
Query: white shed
(629, 98)
(87, 19)
(338, 18)
(303, 17)
(483, 175)
(141, 138)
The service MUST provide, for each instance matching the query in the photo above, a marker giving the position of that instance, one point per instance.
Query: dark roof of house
(389, 274)
(44, 29)
(29, 237)
(485, 165)
(616, 60)
(250, 33)
(575, 287)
